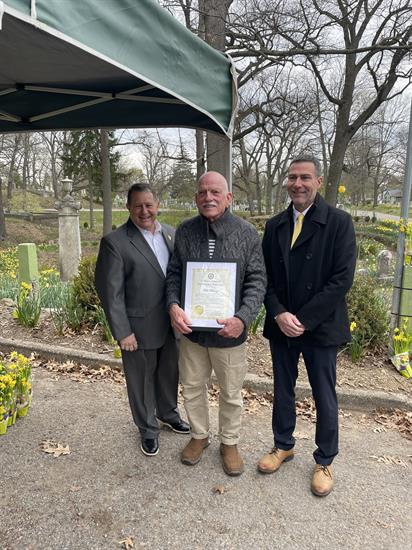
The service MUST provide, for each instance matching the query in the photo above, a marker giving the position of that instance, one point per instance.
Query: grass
(170, 217)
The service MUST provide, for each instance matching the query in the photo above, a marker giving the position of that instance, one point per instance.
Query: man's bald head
(213, 177)
(212, 196)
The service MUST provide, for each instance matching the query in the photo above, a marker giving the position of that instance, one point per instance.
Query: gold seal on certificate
(210, 292)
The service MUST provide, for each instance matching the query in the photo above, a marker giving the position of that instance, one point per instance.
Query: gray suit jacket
(131, 286)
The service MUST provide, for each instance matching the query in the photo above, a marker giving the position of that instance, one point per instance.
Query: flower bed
(15, 389)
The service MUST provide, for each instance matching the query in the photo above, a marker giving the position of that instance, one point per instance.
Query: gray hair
(140, 188)
(311, 159)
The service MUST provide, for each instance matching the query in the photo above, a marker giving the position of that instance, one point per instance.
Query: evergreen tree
(182, 182)
(82, 161)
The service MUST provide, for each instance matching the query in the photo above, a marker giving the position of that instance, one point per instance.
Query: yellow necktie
(297, 229)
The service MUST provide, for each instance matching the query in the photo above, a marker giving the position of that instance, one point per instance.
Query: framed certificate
(210, 292)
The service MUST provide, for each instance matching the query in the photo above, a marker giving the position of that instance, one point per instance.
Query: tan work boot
(192, 453)
(272, 461)
(322, 481)
(231, 460)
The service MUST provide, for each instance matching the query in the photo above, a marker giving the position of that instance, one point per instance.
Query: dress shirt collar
(158, 229)
(296, 212)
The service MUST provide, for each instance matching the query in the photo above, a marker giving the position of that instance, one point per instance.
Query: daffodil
(341, 189)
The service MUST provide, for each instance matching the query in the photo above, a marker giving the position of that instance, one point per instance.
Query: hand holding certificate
(210, 292)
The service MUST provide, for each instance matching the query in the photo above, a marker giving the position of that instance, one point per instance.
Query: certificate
(210, 291)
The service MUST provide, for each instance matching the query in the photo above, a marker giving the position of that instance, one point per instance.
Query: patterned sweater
(236, 239)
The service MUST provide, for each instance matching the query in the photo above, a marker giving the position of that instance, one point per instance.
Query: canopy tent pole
(228, 162)
(406, 198)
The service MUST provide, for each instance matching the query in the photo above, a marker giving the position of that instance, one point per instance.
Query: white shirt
(296, 213)
(157, 244)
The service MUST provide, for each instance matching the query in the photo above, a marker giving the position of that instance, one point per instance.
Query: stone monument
(384, 264)
(69, 232)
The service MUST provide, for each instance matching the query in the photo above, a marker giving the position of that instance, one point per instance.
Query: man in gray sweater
(212, 236)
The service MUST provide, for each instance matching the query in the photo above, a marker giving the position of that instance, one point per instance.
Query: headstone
(28, 266)
(69, 233)
(384, 263)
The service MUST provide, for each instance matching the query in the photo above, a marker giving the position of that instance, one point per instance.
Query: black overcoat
(311, 279)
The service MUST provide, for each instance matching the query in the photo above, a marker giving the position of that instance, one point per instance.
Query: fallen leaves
(385, 525)
(379, 430)
(54, 448)
(219, 489)
(300, 435)
(127, 543)
(83, 373)
(395, 419)
(253, 401)
(306, 409)
(390, 460)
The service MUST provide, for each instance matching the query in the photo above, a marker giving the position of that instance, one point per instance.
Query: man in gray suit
(130, 282)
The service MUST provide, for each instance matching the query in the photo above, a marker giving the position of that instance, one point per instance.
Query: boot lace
(325, 470)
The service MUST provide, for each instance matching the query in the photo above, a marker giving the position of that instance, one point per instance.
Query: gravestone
(28, 266)
(384, 264)
(69, 233)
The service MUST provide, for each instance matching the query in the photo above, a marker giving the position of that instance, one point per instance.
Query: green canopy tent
(67, 64)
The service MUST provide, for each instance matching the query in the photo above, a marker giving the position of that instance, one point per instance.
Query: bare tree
(3, 233)
(54, 142)
(367, 43)
(106, 182)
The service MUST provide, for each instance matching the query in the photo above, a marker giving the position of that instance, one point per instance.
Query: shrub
(374, 219)
(86, 225)
(356, 219)
(84, 291)
(368, 247)
(367, 219)
(368, 310)
(74, 314)
(114, 226)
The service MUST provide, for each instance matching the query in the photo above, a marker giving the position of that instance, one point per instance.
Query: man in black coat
(131, 283)
(310, 256)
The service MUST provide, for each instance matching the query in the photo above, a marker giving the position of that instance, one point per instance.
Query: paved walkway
(106, 490)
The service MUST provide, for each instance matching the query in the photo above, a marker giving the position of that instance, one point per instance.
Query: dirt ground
(373, 371)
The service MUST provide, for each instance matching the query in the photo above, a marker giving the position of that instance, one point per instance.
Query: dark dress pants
(320, 364)
(152, 379)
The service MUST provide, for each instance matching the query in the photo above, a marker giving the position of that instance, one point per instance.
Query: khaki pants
(195, 367)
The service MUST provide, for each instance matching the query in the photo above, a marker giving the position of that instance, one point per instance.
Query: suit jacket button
(309, 286)
(309, 256)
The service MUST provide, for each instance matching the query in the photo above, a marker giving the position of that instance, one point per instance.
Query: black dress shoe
(149, 446)
(179, 426)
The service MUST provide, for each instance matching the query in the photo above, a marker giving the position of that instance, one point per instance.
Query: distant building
(390, 196)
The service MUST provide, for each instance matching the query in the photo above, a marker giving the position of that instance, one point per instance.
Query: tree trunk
(335, 168)
(3, 232)
(215, 16)
(10, 183)
(200, 153)
(322, 138)
(249, 195)
(90, 185)
(107, 182)
(26, 153)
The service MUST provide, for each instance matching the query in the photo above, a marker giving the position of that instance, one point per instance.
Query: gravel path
(106, 490)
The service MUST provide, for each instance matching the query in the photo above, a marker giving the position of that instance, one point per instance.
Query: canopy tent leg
(406, 198)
